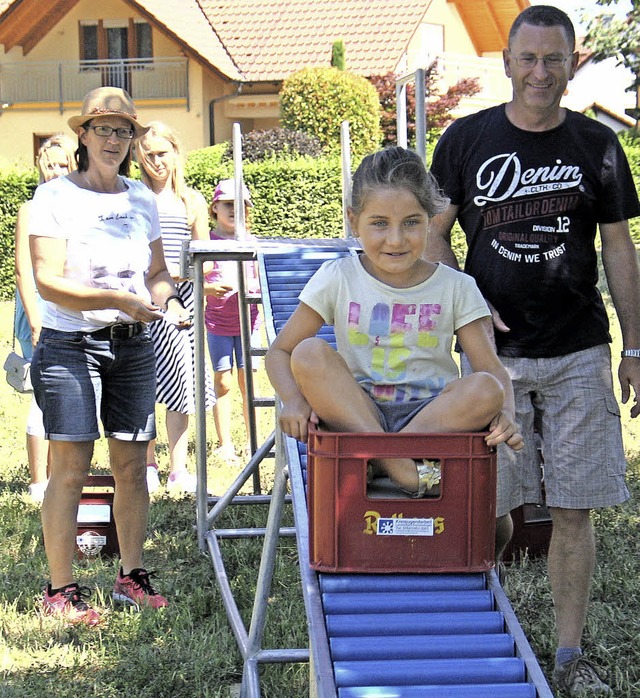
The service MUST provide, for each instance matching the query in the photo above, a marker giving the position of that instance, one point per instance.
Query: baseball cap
(226, 191)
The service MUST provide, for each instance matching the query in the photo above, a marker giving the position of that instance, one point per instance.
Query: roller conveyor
(393, 635)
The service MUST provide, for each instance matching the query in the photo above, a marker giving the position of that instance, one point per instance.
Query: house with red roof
(201, 65)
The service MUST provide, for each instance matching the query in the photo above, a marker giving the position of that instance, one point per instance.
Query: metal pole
(421, 116)
(345, 145)
(201, 421)
(401, 114)
(243, 307)
(238, 202)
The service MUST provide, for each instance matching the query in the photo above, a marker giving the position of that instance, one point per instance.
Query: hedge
(294, 197)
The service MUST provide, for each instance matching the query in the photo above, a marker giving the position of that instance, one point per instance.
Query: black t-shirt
(529, 205)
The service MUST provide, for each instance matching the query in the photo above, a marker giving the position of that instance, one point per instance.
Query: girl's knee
(309, 355)
(485, 390)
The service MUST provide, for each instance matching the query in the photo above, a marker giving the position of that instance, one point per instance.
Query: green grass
(188, 649)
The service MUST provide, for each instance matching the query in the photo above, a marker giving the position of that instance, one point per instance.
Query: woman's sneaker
(135, 589)
(68, 603)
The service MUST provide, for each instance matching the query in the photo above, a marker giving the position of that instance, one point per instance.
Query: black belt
(122, 330)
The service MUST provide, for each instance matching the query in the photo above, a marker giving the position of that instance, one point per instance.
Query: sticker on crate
(398, 525)
(91, 543)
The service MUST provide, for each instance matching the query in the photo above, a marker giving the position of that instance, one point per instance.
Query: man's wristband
(635, 353)
(174, 297)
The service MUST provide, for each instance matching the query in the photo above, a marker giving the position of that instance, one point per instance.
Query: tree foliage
(318, 100)
(439, 105)
(609, 36)
(338, 55)
(276, 142)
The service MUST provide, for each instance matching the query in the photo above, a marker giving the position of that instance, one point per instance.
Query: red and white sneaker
(68, 603)
(135, 589)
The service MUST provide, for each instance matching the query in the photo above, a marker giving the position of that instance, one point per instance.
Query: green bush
(16, 187)
(293, 197)
(318, 100)
(631, 143)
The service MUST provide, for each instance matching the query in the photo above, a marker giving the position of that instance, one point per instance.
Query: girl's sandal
(429, 475)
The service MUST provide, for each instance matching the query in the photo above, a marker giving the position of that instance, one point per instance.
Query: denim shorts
(394, 416)
(223, 349)
(79, 380)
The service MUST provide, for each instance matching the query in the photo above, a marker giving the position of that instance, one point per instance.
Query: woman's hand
(176, 314)
(503, 429)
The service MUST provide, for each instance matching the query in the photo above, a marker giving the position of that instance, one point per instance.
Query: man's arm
(620, 261)
(438, 247)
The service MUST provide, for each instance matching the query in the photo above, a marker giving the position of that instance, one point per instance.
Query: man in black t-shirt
(529, 183)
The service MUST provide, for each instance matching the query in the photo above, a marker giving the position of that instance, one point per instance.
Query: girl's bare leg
(466, 404)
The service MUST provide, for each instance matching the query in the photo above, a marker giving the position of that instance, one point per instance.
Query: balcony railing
(60, 82)
(495, 87)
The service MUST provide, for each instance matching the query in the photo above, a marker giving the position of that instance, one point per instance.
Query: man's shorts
(570, 401)
(78, 380)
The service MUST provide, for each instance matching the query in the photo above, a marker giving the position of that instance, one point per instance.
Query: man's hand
(629, 376)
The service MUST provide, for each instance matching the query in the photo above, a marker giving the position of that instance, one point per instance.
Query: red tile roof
(270, 39)
(267, 40)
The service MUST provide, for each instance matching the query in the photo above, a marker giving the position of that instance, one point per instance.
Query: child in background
(222, 319)
(183, 217)
(55, 157)
(394, 316)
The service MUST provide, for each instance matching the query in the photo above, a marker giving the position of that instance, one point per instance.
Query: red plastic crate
(97, 535)
(355, 528)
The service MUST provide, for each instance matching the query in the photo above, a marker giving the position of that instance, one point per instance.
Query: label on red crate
(91, 543)
(405, 527)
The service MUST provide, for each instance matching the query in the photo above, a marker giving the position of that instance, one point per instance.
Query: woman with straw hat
(99, 265)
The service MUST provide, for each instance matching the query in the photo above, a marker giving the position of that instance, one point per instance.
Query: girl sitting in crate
(394, 316)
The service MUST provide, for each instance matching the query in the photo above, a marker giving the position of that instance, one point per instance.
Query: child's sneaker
(182, 482)
(227, 454)
(36, 491)
(153, 481)
(135, 589)
(68, 603)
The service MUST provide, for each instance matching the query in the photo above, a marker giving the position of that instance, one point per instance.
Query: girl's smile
(392, 227)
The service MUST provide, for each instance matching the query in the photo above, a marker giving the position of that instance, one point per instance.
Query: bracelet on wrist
(635, 353)
(174, 297)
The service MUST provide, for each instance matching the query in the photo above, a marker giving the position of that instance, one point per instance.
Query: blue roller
(422, 647)
(408, 601)
(510, 690)
(415, 672)
(400, 582)
(380, 624)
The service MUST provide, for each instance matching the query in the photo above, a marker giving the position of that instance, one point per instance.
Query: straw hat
(107, 101)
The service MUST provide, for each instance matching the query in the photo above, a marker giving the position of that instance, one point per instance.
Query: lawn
(188, 649)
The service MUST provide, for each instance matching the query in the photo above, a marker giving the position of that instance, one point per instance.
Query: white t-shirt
(397, 342)
(108, 237)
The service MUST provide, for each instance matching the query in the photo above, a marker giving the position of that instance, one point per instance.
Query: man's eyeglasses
(126, 134)
(528, 60)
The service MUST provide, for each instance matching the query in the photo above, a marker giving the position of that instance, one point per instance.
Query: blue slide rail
(392, 635)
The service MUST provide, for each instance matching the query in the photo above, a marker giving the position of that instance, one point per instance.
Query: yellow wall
(19, 124)
(462, 60)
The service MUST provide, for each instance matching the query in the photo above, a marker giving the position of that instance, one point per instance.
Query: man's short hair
(544, 16)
